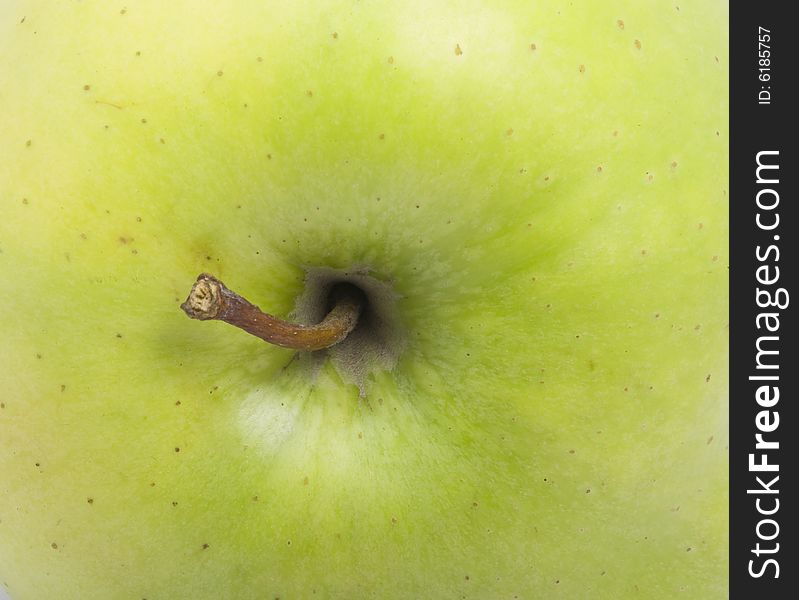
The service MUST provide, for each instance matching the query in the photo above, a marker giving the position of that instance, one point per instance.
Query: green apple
(532, 196)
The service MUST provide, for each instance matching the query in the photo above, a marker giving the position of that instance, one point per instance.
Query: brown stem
(210, 299)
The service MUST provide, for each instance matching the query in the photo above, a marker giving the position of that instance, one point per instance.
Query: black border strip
(755, 127)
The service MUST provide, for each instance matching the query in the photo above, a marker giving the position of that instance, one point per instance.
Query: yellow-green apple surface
(532, 197)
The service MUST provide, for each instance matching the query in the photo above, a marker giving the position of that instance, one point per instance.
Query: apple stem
(210, 299)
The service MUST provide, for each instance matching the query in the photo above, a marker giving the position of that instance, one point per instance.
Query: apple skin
(543, 186)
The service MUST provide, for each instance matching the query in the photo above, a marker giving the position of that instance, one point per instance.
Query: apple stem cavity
(210, 299)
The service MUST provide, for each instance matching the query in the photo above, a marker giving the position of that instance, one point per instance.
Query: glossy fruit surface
(541, 189)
